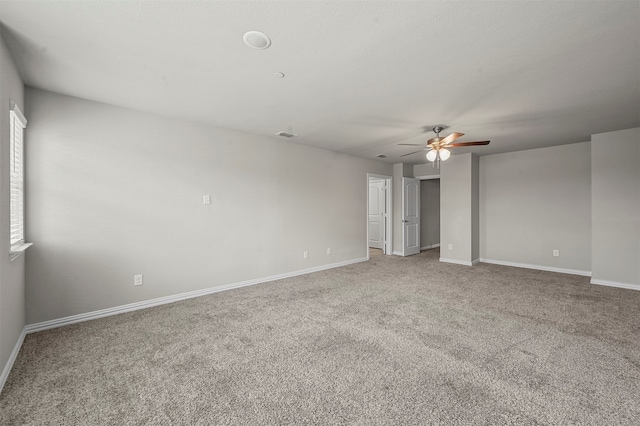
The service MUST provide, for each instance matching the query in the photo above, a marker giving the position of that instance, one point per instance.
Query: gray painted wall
(114, 192)
(455, 208)
(12, 304)
(535, 201)
(475, 208)
(429, 212)
(425, 169)
(615, 202)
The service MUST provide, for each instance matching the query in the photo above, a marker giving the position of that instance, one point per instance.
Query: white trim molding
(60, 322)
(538, 267)
(628, 286)
(457, 262)
(430, 246)
(12, 358)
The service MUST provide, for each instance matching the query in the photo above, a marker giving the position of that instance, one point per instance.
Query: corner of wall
(12, 288)
(615, 238)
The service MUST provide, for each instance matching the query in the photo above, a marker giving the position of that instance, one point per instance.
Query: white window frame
(17, 124)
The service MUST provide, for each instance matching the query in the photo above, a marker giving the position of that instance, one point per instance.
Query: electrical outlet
(137, 279)
(556, 253)
(328, 250)
(305, 254)
(206, 199)
(450, 246)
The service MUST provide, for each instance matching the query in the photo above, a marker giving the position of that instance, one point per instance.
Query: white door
(410, 216)
(376, 214)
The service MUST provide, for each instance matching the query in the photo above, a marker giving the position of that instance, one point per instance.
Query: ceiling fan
(437, 147)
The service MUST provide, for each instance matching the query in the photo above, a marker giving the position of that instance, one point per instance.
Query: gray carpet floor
(398, 341)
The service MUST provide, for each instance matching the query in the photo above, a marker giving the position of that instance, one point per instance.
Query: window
(17, 123)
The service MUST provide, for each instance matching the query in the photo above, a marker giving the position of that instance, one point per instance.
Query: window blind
(17, 124)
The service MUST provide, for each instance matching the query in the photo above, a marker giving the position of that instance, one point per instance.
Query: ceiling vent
(286, 134)
(381, 156)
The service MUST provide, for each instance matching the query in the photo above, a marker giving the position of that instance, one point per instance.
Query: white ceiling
(360, 77)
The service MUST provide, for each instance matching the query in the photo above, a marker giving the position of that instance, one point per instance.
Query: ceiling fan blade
(453, 145)
(452, 137)
(414, 152)
(411, 144)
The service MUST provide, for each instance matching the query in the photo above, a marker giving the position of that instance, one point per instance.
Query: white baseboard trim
(616, 284)
(430, 246)
(538, 267)
(12, 358)
(457, 262)
(474, 262)
(46, 325)
(397, 253)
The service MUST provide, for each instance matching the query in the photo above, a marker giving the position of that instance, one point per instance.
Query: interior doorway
(429, 212)
(379, 213)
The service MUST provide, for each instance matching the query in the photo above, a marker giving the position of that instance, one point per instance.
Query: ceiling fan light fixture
(437, 147)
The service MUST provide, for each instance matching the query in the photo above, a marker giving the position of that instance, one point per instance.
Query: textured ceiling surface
(360, 77)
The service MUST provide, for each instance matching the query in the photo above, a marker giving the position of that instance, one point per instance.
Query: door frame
(388, 223)
(429, 177)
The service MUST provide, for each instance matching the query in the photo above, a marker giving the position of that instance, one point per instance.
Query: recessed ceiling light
(381, 156)
(256, 40)
(278, 75)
